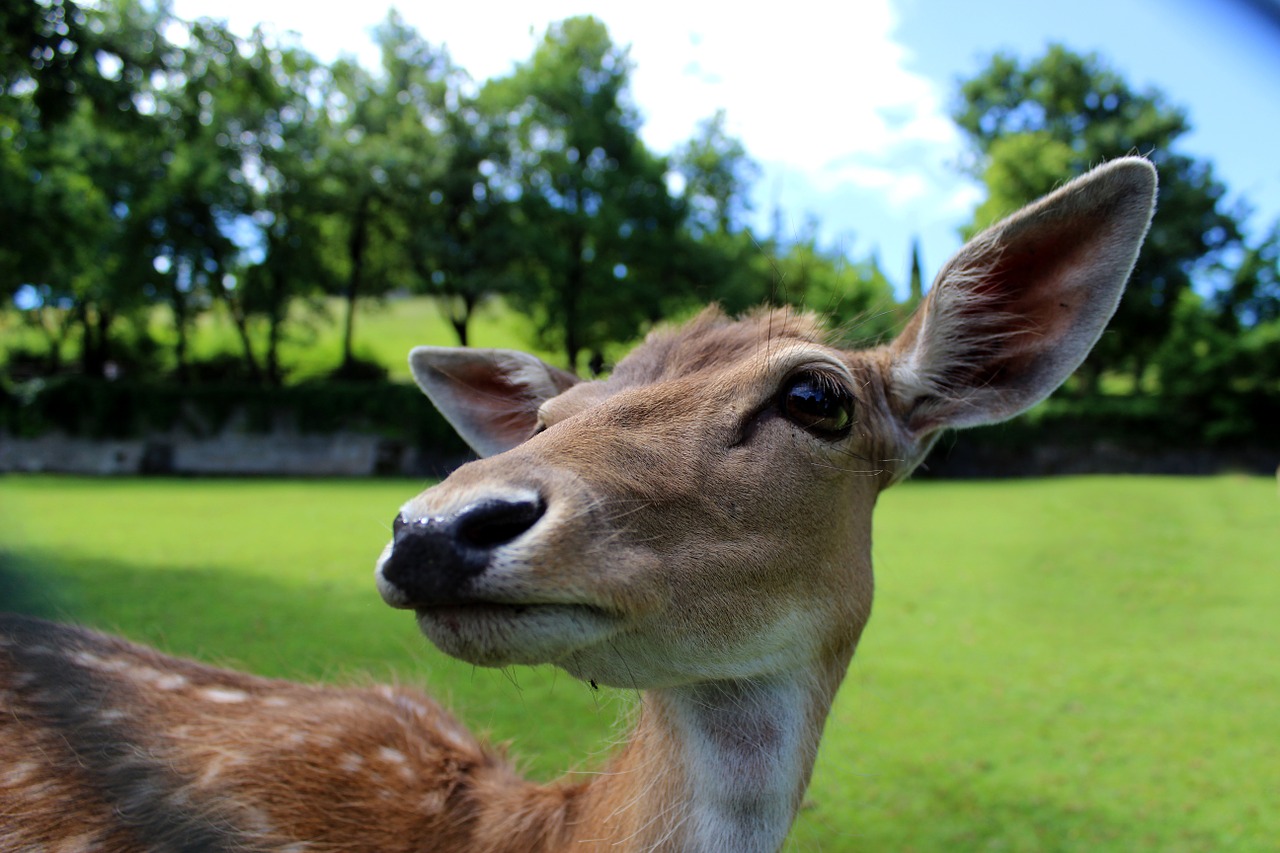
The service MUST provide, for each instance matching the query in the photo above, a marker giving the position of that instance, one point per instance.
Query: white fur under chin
(746, 742)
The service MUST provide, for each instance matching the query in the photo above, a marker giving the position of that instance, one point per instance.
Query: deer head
(705, 512)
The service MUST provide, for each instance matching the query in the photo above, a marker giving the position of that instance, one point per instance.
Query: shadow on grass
(311, 630)
(25, 589)
(305, 630)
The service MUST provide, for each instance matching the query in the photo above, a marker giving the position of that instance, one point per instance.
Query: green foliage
(599, 221)
(1252, 297)
(163, 177)
(1035, 125)
(717, 174)
(128, 409)
(1066, 665)
(194, 170)
(1196, 325)
(1228, 379)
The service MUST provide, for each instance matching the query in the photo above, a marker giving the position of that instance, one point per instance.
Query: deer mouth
(490, 633)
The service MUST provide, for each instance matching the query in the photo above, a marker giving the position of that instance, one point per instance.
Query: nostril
(496, 522)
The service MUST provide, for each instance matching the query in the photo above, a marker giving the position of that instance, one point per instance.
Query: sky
(845, 105)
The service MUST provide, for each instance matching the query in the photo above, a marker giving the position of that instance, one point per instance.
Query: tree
(1252, 294)
(47, 51)
(1034, 125)
(270, 112)
(465, 237)
(457, 230)
(188, 213)
(718, 175)
(598, 220)
(915, 287)
(80, 122)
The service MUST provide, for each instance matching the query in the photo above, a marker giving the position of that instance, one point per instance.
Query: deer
(695, 527)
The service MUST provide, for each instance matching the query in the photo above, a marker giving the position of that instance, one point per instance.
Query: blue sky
(845, 105)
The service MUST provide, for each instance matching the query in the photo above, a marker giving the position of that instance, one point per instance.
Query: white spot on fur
(78, 844)
(224, 696)
(433, 802)
(146, 673)
(392, 756)
(172, 681)
(398, 759)
(411, 705)
(276, 702)
(454, 736)
(88, 659)
(211, 772)
(19, 773)
(92, 661)
(257, 820)
(351, 762)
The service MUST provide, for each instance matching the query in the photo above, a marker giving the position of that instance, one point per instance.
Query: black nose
(491, 523)
(434, 560)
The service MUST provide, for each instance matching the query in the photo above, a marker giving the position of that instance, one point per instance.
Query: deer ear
(1013, 314)
(490, 396)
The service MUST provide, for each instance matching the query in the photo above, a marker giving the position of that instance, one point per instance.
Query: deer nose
(492, 523)
(434, 559)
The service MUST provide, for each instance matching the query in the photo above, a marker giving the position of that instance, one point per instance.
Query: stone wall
(289, 453)
(281, 453)
(955, 458)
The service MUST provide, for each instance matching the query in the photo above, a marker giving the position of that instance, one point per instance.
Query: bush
(126, 409)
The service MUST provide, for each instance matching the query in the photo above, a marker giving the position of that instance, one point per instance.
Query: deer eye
(818, 403)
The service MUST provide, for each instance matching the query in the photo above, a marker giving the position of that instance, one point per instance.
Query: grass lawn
(1077, 664)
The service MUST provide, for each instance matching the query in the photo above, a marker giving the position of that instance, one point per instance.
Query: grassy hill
(385, 331)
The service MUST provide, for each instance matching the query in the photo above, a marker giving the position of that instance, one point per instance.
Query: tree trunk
(180, 323)
(1087, 378)
(356, 249)
(275, 320)
(570, 295)
(241, 322)
(56, 326)
(461, 319)
(460, 328)
(95, 349)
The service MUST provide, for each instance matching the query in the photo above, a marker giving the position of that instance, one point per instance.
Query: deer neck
(710, 767)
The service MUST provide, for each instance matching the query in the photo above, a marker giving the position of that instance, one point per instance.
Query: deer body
(697, 527)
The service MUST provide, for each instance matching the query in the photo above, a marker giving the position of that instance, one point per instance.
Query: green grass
(1066, 665)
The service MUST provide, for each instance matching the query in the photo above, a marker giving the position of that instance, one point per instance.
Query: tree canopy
(156, 162)
(156, 170)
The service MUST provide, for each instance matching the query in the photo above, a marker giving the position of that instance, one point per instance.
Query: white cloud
(817, 88)
(807, 84)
